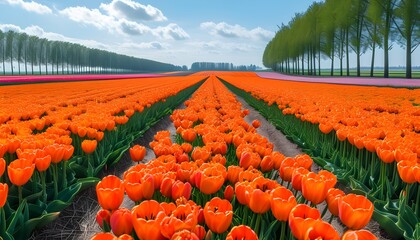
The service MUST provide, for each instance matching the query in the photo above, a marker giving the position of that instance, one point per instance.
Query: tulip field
(217, 176)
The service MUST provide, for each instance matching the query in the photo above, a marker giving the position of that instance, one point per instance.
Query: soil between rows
(78, 220)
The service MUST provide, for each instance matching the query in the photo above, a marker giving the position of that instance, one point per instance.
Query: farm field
(237, 156)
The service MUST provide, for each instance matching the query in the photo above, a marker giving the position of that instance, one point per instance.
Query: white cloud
(30, 6)
(133, 11)
(236, 31)
(218, 46)
(145, 45)
(89, 16)
(111, 23)
(171, 31)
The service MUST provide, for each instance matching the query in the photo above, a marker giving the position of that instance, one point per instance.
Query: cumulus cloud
(218, 45)
(145, 45)
(30, 6)
(133, 11)
(171, 31)
(236, 31)
(123, 25)
(89, 16)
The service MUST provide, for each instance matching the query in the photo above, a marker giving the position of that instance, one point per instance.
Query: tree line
(43, 56)
(220, 66)
(336, 28)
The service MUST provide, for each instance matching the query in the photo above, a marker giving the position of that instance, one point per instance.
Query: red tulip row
(53, 146)
(215, 181)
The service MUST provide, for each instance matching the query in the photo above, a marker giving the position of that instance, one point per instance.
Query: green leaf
(16, 217)
(26, 229)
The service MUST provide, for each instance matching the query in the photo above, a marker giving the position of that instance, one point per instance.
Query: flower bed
(53, 145)
(366, 136)
(219, 180)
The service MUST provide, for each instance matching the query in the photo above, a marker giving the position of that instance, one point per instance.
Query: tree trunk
(303, 66)
(4, 66)
(386, 37)
(372, 62)
(408, 57)
(347, 52)
(26, 61)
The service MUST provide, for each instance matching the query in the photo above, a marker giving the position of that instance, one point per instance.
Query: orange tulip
(2, 166)
(249, 159)
(267, 164)
(56, 151)
(110, 192)
(188, 135)
(301, 218)
(186, 147)
(334, 194)
(233, 173)
(184, 235)
(166, 187)
(182, 217)
(137, 153)
(242, 232)
(242, 190)
(325, 128)
(256, 124)
(359, 235)
(282, 202)
(103, 217)
(125, 237)
(277, 159)
(297, 175)
(121, 222)
(4, 191)
(218, 215)
(287, 167)
(200, 153)
(89, 146)
(145, 220)
(314, 189)
(103, 236)
(228, 193)
(406, 171)
(211, 181)
(180, 189)
(355, 211)
(20, 171)
(321, 230)
(43, 163)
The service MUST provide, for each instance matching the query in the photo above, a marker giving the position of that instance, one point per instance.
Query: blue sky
(178, 32)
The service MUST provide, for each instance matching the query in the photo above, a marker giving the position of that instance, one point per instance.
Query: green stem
(245, 218)
(283, 231)
(44, 192)
(3, 222)
(64, 175)
(257, 224)
(55, 177)
(417, 209)
(20, 194)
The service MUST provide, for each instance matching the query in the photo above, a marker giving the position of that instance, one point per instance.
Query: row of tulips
(219, 180)
(367, 136)
(53, 146)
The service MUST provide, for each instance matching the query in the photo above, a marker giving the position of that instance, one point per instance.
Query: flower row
(219, 176)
